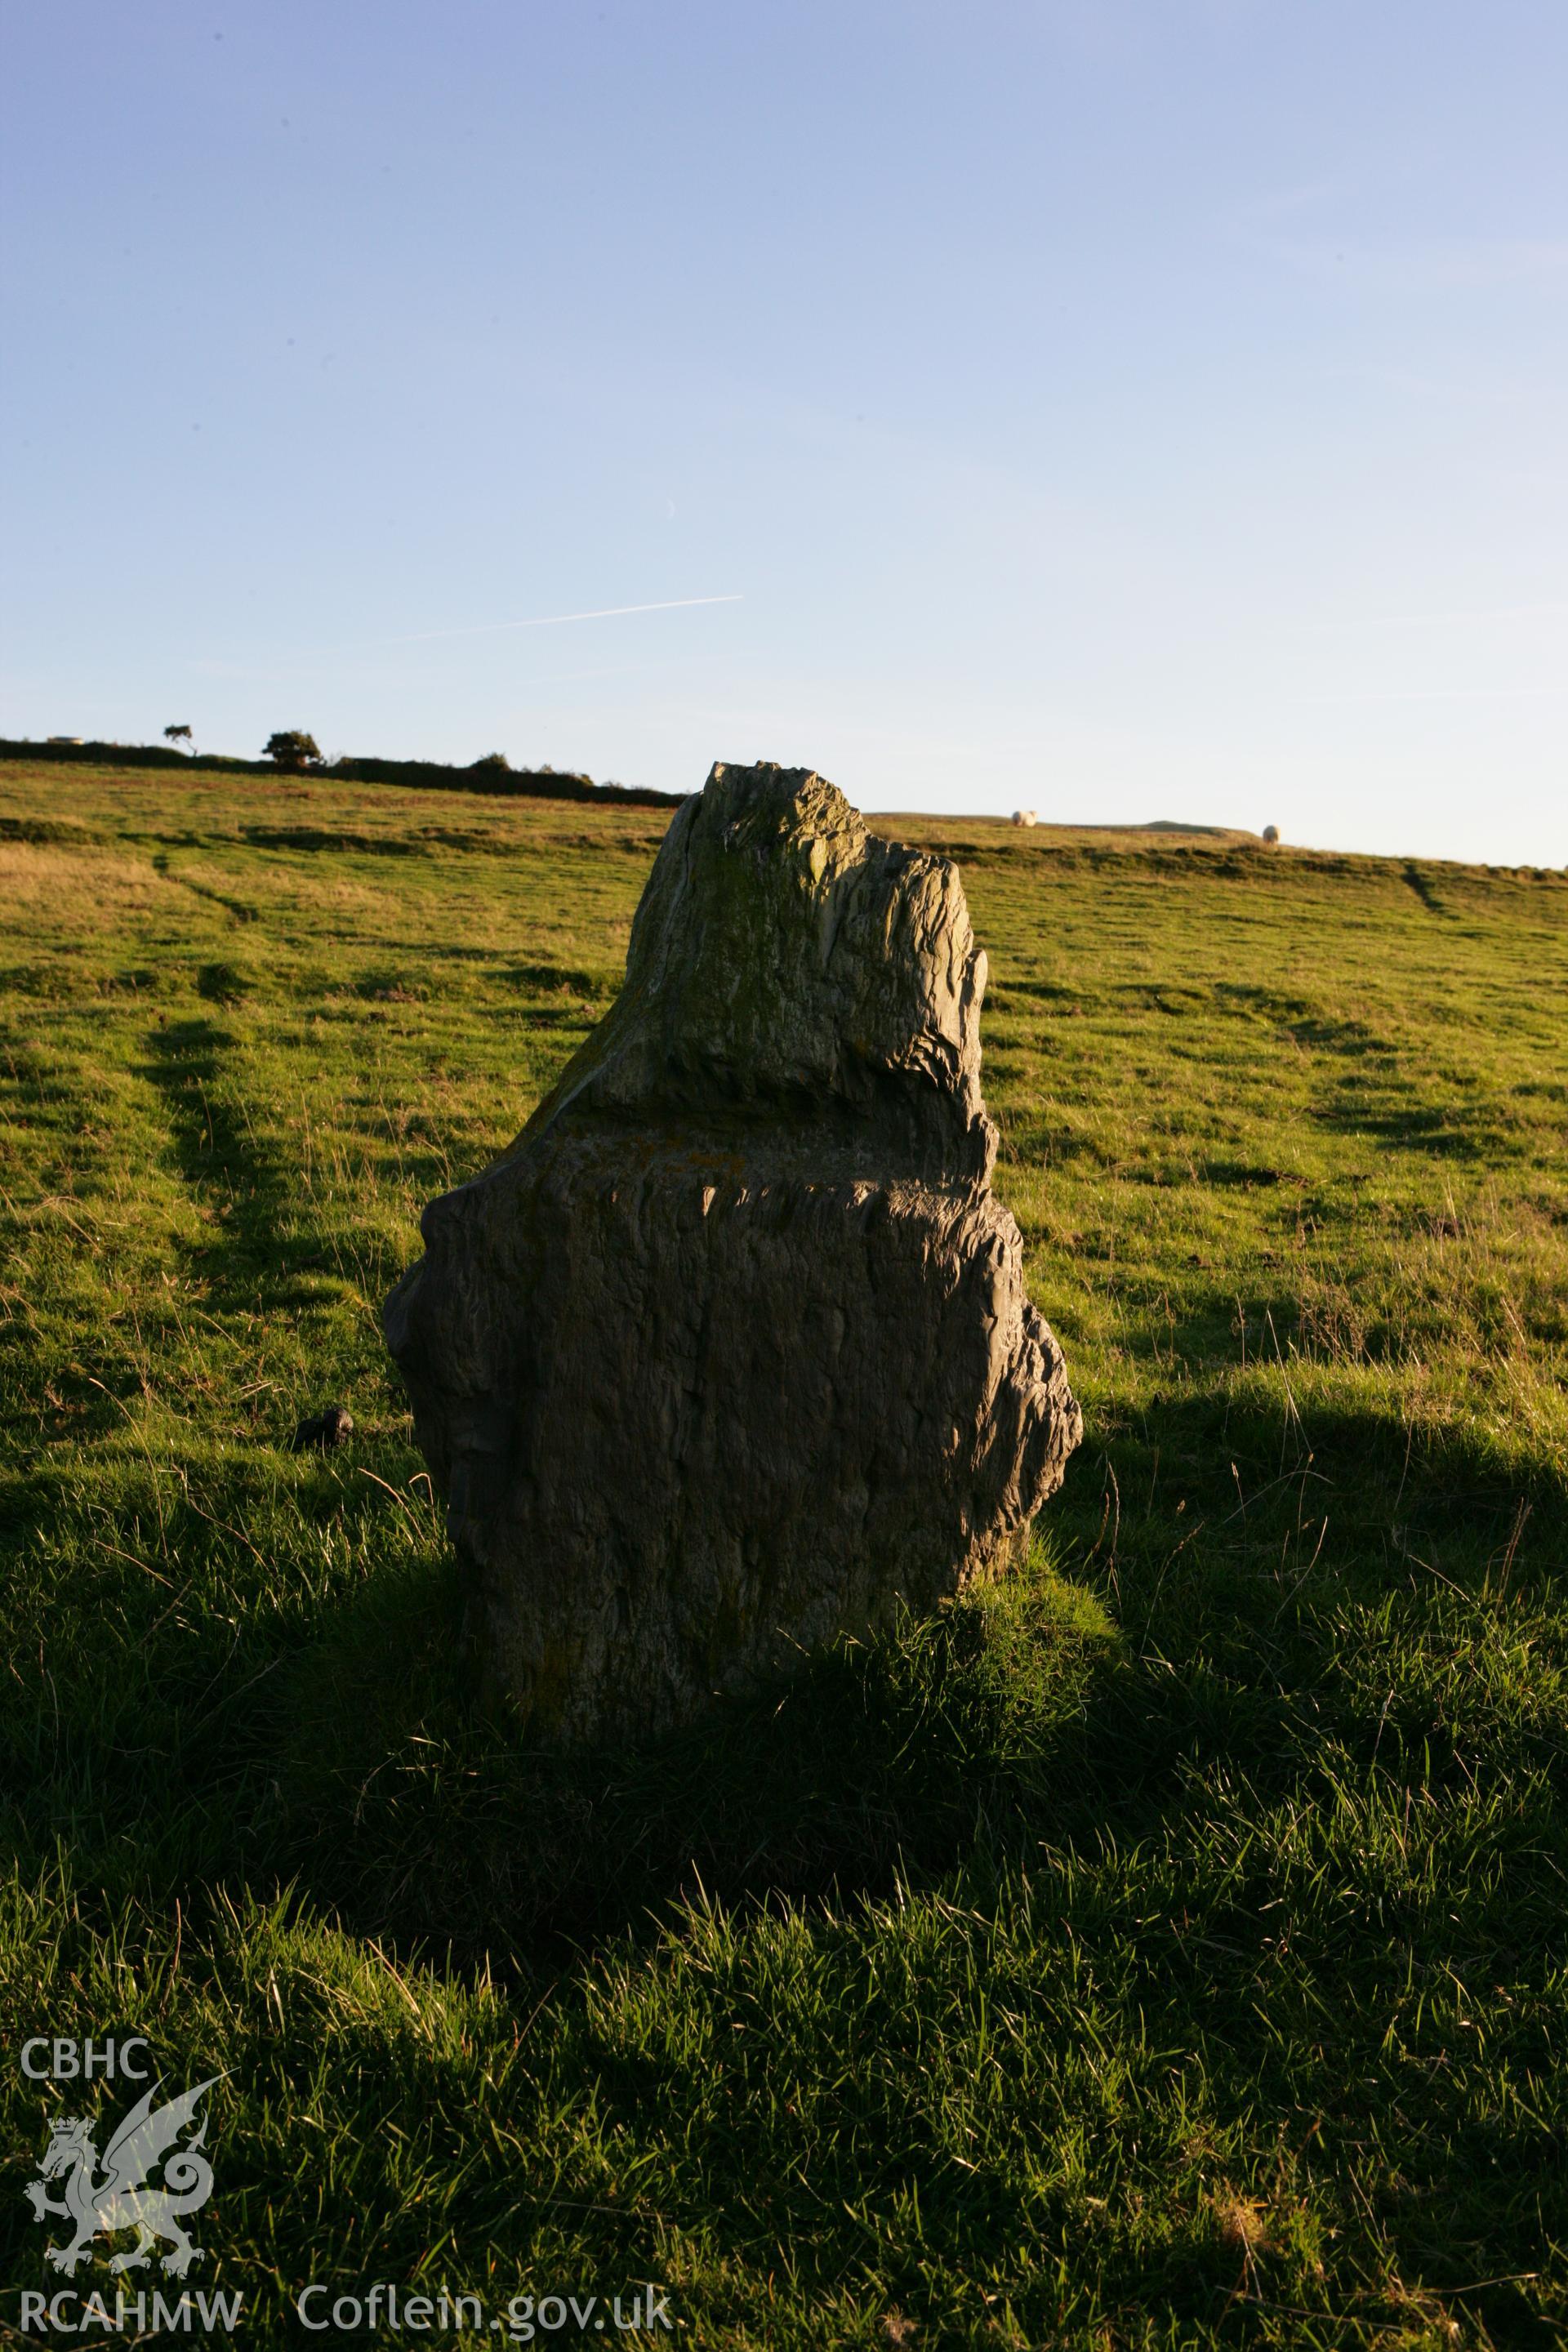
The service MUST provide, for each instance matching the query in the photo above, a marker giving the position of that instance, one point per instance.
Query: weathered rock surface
(731, 1352)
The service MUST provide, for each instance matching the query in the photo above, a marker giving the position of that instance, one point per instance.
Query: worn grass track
(1169, 1948)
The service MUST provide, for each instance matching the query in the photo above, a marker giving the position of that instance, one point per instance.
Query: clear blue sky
(1125, 410)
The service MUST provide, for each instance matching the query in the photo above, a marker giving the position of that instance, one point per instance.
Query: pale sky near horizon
(1125, 410)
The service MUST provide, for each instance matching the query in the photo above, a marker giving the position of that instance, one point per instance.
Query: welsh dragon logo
(118, 2197)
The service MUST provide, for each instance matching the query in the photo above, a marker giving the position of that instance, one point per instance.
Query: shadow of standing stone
(730, 1353)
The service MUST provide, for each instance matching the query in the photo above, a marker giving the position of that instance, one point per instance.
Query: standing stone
(730, 1353)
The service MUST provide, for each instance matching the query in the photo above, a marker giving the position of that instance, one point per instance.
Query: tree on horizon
(293, 750)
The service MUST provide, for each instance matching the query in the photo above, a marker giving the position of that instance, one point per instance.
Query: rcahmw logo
(121, 2190)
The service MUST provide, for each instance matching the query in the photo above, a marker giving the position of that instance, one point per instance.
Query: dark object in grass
(731, 1354)
(319, 1431)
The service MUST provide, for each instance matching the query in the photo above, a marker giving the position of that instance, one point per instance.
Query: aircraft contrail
(553, 620)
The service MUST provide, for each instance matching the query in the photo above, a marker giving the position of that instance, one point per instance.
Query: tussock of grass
(1165, 1948)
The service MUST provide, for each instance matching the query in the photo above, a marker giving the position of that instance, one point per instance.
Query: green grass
(1168, 1948)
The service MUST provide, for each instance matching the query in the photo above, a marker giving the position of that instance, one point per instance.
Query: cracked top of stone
(785, 965)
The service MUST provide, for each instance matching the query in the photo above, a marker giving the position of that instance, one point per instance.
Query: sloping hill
(1167, 1947)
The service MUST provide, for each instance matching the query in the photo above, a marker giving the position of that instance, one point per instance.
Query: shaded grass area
(1166, 1948)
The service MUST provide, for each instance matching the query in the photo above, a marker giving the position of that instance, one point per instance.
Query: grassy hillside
(1168, 1948)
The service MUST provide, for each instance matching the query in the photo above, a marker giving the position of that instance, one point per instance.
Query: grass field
(1168, 1948)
